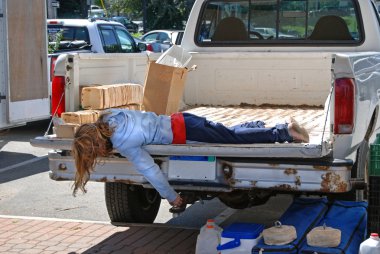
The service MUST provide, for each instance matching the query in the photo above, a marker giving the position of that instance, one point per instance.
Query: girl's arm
(145, 165)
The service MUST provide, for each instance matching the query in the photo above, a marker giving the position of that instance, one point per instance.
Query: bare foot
(298, 133)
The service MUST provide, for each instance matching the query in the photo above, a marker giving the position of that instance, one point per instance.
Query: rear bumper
(311, 176)
(222, 174)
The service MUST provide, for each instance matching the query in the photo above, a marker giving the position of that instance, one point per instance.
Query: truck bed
(311, 117)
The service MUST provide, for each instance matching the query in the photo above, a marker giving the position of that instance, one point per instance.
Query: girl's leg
(252, 124)
(201, 130)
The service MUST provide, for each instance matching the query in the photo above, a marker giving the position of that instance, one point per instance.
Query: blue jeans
(201, 130)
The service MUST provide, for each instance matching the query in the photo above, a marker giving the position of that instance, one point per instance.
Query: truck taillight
(52, 66)
(58, 95)
(344, 106)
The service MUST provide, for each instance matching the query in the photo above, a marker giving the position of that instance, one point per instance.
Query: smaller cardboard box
(163, 89)
(66, 130)
(80, 117)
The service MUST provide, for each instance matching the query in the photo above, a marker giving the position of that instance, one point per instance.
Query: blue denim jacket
(133, 130)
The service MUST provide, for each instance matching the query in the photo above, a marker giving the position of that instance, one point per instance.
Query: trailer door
(28, 92)
(3, 69)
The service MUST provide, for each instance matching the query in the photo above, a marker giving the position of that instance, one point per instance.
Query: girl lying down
(128, 131)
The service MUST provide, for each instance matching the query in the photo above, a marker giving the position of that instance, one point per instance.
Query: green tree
(161, 14)
(129, 8)
(166, 14)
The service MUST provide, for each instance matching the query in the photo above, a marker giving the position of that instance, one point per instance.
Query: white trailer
(24, 90)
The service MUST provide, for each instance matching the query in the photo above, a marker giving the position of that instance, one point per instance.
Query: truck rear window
(68, 33)
(292, 22)
(70, 38)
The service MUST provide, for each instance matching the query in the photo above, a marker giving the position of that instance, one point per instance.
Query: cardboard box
(66, 130)
(111, 96)
(95, 97)
(164, 87)
(133, 94)
(80, 117)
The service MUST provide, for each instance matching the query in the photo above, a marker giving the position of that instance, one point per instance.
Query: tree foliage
(166, 14)
(129, 8)
(163, 14)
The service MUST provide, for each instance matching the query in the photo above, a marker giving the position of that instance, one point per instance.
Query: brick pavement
(39, 235)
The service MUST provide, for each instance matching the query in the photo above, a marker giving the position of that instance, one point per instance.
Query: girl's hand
(177, 202)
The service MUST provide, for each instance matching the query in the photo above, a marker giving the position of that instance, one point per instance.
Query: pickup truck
(325, 75)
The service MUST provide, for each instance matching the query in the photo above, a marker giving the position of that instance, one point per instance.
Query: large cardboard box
(163, 89)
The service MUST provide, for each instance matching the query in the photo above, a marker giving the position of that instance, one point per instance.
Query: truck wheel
(131, 203)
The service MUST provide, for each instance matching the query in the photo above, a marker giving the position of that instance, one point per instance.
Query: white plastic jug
(208, 238)
(211, 222)
(371, 245)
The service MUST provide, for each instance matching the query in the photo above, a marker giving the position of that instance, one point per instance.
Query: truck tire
(131, 203)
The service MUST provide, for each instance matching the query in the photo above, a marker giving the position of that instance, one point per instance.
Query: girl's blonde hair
(90, 142)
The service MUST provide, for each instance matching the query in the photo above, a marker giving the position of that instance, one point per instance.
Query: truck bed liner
(311, 117)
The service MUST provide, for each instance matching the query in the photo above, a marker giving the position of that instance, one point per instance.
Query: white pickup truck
(321, 66)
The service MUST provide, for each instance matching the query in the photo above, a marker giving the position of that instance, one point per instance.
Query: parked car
(96, 11)
(147, 46)
(162, 40)
(129, 24)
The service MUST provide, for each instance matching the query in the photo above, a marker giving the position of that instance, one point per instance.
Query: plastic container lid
(243, 230)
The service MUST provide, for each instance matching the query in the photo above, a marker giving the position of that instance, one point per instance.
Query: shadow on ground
(22, 171)
(148, 239)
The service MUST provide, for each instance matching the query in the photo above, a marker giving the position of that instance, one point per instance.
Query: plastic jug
(208, 238)
(211, 222)
(371, 245)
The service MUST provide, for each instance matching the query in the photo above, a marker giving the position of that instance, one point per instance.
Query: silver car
(162, 40)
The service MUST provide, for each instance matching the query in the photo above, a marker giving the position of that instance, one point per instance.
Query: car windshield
(273, 21)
